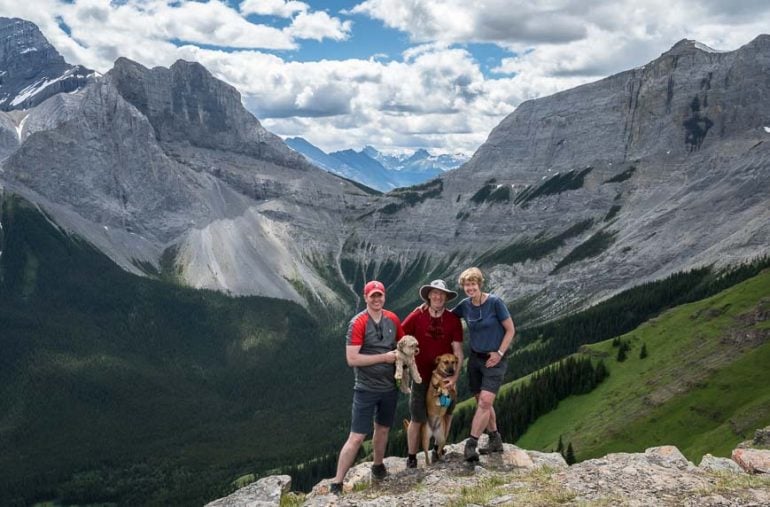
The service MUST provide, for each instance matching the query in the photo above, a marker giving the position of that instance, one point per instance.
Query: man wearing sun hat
(371, 351)
(438, 331)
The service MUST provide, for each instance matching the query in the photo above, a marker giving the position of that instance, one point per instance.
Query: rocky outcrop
(753, 461)
(265, 492)
(31, 70)
(658, 476)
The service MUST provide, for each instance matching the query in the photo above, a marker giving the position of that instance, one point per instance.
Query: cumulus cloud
(282, 8)
(435, 94)
(318, 25)
(479, 21)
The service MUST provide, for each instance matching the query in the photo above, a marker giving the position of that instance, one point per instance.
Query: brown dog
(437, 425)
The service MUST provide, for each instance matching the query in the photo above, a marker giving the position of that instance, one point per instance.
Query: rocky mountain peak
(31, 70)
(687, 46)
(21, 37)
(187, 104)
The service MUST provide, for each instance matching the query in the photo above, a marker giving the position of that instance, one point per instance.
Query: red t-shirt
(435, 336)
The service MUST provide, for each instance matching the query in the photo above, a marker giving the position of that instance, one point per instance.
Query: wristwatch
(502, 354)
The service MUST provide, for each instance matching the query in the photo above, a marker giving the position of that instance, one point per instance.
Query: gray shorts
(418, 412)
(368, 405)
(481, 378)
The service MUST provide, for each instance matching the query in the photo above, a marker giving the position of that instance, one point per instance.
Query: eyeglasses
(471, 320)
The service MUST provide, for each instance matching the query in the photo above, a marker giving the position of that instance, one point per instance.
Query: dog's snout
(450, 370)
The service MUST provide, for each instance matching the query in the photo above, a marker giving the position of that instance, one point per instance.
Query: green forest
(119, 388)
(130, 390)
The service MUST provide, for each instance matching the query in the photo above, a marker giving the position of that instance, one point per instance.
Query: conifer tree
(621, 354)
(570, 456)
(560, 446)
(643, 352)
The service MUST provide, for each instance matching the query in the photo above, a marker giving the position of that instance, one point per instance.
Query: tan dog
(406, 366)
(437, 425)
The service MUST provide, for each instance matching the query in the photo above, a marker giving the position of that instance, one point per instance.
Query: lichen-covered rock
(761, 439)
(753, 461)
(549, 459)
(715, 464)
(265, 492)
(667, 456)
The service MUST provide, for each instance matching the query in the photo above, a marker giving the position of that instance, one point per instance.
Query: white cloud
(434, 95)
(437, 97)
(282, 8)
(481, 20)
(318, 25)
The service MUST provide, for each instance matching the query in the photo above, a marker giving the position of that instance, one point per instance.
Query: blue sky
(395, 74)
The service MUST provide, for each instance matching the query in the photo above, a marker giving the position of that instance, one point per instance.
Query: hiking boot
(470, 453)
(494, 444)
(411, 462)
(379, 472)
(335, 488)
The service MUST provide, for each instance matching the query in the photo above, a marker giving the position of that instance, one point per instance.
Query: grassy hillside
(119, 388)
(704, 387)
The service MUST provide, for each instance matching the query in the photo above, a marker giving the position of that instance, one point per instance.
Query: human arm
(510, 331)
(408, 325)
(355, 358)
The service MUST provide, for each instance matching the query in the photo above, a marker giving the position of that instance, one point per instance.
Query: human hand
(449, 383)
(390, 357)
(494, 360)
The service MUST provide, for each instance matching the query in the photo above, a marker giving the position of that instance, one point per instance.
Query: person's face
(471, 288)
(437, 299)
(375, 301)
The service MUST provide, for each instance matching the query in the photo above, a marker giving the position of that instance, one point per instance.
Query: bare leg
(348, 455)
(484, 411)
(379, 441)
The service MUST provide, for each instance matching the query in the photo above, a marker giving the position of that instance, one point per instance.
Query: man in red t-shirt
(438, 331)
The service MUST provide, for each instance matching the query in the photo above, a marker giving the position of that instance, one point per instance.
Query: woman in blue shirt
(490, 331)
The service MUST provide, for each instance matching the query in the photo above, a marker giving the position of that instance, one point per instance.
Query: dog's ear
(437, 360)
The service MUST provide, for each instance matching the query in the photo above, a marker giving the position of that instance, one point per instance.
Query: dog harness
(443, 400)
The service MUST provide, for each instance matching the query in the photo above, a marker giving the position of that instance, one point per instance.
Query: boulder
(753, 461)
(711, 463)
(667, 456)
(265, 492)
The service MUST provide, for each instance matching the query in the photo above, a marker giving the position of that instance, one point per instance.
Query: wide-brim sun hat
(438, 285)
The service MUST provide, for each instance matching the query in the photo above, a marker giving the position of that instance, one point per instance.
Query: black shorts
(418, 412)
(481, 378)
(373, 404)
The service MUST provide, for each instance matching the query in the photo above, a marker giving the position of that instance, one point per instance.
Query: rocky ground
(658, 476)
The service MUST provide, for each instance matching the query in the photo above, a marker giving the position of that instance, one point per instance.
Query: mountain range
(162, 173)
(572, 198)
(378, 170)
